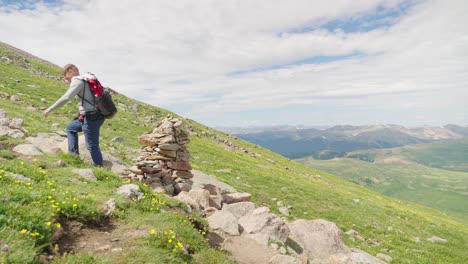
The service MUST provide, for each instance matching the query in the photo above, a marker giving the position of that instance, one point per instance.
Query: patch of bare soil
(90, 238)
(97, 238)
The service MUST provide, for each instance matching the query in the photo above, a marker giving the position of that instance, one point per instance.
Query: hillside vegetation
(443, 190)
(397, 228)
(433, 174)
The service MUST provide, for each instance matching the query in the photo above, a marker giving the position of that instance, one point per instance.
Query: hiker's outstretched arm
(76, 86)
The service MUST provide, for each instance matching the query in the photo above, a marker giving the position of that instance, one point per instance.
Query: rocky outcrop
(239, 226)
(164, 160)
(11, 127)
(320, 238)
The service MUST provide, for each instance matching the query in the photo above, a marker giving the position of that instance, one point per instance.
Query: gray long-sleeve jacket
(77, 89)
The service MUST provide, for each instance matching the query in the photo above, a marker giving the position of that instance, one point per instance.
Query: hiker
(89, 120)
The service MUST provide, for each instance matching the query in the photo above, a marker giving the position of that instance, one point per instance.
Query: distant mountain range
(297, 142)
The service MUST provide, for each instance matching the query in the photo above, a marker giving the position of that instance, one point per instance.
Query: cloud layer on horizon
(206, 59)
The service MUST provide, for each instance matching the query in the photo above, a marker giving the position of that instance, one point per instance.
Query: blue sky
(241, 63)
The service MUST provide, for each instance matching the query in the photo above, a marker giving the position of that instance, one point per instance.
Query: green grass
(449, 155)
(266, 175)
(446, 191)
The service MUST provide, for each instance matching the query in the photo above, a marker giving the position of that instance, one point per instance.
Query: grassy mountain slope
(443, 190)
(249, 168)
(450, 154)
(446, 154)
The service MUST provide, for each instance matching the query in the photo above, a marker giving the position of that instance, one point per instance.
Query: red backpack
(102, 98)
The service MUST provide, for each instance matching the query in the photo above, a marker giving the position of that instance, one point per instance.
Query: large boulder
(27, 150)
(201, 197)
(240, 209)
(321, 242)
(201, 179)
(46, 143)
(224, 221)
(216, 198)
(263, 226)
(184, 197)
(319, 238)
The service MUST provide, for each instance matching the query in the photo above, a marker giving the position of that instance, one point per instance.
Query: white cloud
(184, 52)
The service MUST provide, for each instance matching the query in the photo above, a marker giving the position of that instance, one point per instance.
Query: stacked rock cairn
(164, 159)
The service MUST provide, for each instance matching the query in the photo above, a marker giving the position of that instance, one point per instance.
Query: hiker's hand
(45, 113)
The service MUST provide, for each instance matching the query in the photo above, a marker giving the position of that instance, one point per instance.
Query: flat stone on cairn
(164, 158)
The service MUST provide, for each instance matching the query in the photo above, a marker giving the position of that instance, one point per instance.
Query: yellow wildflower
(152, 231)
(24, 231)
(48, 223)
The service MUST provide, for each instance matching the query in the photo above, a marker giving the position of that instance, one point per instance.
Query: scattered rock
(355, 234)
(358, 256)
(87, 174)
(109, 207)
(59, 163)
(230, 198)
(436, 239)
(16, 133)
(284, 210)
(384, 257)
(117, 140)
(130, 191)
(20, 177)
(4, 121)
(27, 150)
(16, 123)
(4, 130)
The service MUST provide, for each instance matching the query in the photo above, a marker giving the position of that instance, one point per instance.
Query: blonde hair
(69, 67)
